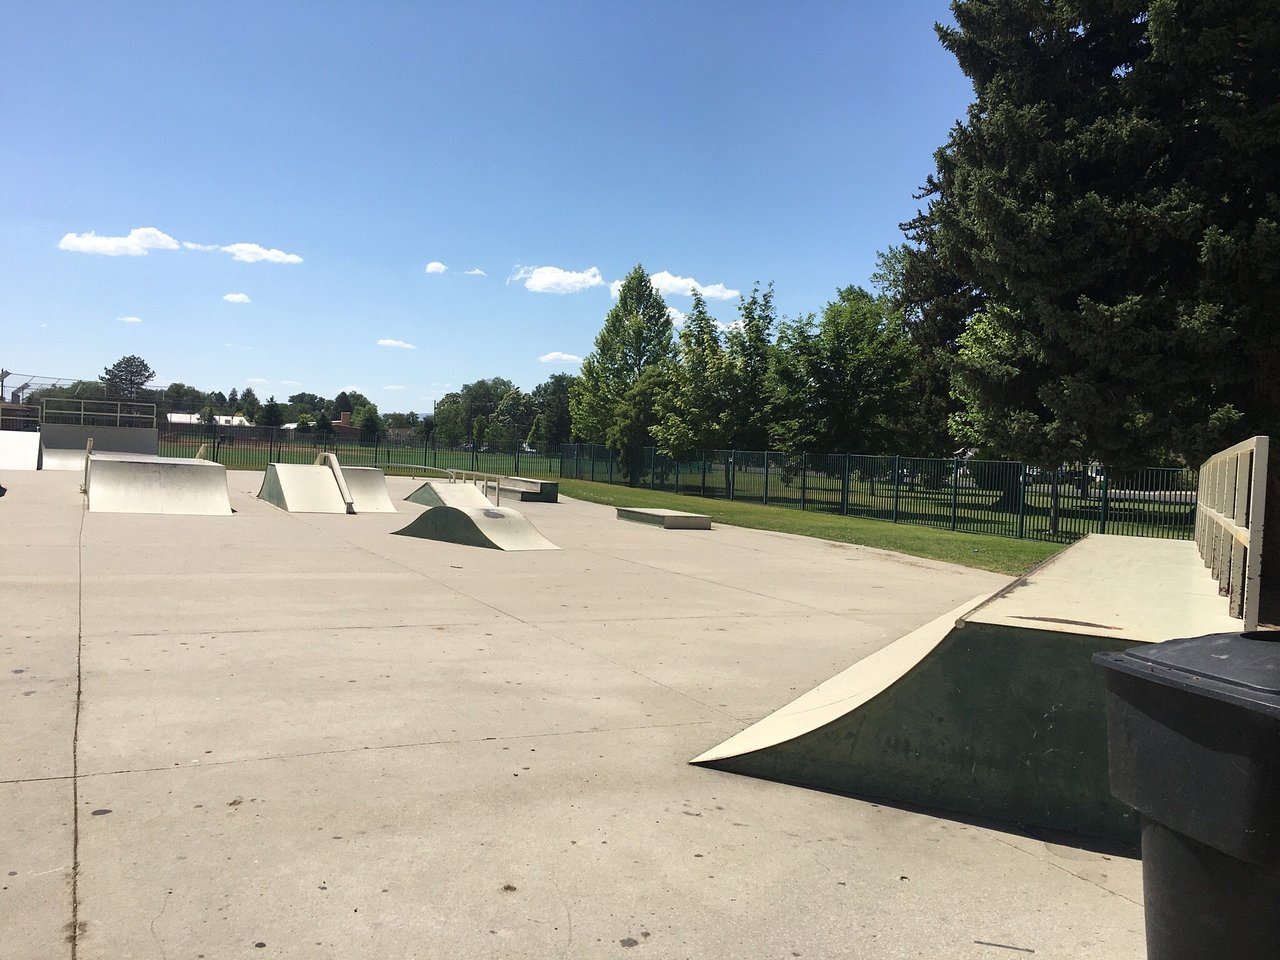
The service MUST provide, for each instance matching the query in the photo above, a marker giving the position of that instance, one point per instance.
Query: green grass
(998, 554)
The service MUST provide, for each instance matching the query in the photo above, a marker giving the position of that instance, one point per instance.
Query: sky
(405, 197)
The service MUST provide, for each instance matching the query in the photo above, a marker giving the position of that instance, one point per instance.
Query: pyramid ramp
(498, 528)
(449, 493)
(995, 709)
(135, 483)
(20, 450)
(62, 445)
(368, 487)
(302, 488)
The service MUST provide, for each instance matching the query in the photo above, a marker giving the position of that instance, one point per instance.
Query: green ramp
(994, 710)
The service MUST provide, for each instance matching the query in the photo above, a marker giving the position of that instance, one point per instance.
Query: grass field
(998, 554)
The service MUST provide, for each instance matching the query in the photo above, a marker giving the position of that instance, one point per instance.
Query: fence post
(1104, 507)
(677, 480)
(897, 484)
(955, 491)
(765, 500)
(705, 460)
(728, 475)
(653, 464)
(804, 479)
(518, 444)
(1022, 501)
(844, 488)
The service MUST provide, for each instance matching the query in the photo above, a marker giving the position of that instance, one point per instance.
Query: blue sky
(314, 158)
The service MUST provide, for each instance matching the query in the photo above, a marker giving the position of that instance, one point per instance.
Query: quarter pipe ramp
(449, 493)
(20, 450)
(368, 487)
(993, 710)
(62, 445)
(302, 488)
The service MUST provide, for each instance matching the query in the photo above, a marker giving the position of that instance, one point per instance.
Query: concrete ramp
(449, 493)
(302, 488)
(20, 450)
(994, 710)
(135, 483)
(62, 444)
(368, 487)
(499, 528)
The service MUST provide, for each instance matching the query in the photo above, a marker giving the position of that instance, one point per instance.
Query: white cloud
(669, 284)
(615, 288)
(258, 380)
(130, 319)
(399, 344)
(555, 356)
(349, 388)
(435, 266)
(475, 272)
(200, 246)
(136, 244)
(252, 253)
(555, 280)
(236, 297)
(290, 383)
(394, 386)
(677, 317)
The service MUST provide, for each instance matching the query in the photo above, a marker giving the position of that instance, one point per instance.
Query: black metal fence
(976, 496)
(252, 448)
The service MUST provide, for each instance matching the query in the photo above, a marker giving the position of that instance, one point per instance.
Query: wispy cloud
(394, 386)
(677, 317)
(136, 244)
(200, 246)
(556, 356)
(435, 266)
(260, 381)
(670, 284)
(236, 297)
(253, 253)
(475, 272)
(290, 383)
(398, 344)
(555, 280)
(130, 319)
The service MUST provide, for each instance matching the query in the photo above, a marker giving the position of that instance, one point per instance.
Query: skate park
(305, 742)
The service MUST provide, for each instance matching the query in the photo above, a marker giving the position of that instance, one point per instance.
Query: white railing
(1230, 507)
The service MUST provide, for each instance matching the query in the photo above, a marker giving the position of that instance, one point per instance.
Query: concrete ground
(294, 735)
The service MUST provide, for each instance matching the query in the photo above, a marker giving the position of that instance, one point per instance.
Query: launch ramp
(449, 493)
(136, 483)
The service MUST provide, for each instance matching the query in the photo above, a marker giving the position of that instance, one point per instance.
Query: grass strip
(998, 554)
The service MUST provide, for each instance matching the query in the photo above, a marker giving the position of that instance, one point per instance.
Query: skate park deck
(298, 730)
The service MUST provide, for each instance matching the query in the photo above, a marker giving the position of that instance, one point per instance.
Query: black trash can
(1194, 745)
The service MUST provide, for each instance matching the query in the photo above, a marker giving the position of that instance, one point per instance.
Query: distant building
(221, 420)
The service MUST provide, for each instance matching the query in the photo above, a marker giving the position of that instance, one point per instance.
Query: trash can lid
(1237, 668)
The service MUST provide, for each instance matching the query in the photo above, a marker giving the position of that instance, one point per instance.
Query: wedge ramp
(136, 483)
(20, 450)
(449, 493)
(302, 488)
(498, 528)
(993, 710)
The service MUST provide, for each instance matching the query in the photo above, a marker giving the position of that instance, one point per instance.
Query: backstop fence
(976, 496)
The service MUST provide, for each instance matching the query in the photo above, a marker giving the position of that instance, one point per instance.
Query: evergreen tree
(270, 414)
(127, 376)
(1114, 195)
(250, 404)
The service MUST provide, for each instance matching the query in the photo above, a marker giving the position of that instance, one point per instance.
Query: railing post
(897, 484)
(1022, 500)
(844, 487)
(1104, 506)
(955, 491)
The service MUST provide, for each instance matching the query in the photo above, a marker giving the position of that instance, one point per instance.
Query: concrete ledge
(542, 491)
(667, 519)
